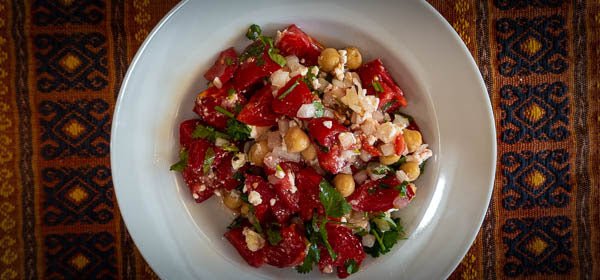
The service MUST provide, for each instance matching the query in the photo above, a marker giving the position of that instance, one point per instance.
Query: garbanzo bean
(329, 59)
(232, 200)
(309, 153)
(296, 140)
(354, 58)
(344, 183)
(257, 152)
(411, 169)
(413, 139)
(388, 160)
(245, 209)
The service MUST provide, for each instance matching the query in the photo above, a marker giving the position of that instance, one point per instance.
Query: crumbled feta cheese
(315, 83)
(254, 198)
(307, 111)
(378, 116)
(254, 241)
(272, 201)
(295, 67)
(202, 187)
(401, 121)
(195, 196)
(388, 149)
(365, 156)
(238, 160)
(387, 132)
(314, 70)
(328, 113)
(279, 78)
(328, 124)
(346, 139)
(369, 127)
(257, 131)
(328, 269)
(278, 37)
(217, 82)
(368, 240)
(217, 192)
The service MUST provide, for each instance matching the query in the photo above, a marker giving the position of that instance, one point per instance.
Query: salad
(308, 147)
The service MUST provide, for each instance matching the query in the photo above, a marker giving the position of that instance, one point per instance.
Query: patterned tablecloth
(62, 62)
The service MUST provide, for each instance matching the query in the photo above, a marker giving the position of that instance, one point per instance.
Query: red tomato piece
(224, 97)
(199, 184)
(375, 72)
(368, 147)
(224, 66)
(375, 196)
(223, 170)
(307, 181)
(332, 160)
(238, 240)
(324, 133)
(292, 96)
(399, 144)
(259, 109)
(290, 251)
(294, 41)
(346, 246)
(286, 187)
(254, 69)
(258, 184)
(281, 212)
(185, 132)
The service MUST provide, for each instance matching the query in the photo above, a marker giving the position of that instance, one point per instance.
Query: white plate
(183, 240)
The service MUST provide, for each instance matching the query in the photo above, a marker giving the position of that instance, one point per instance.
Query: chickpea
(329, 59)
(232, 200)
(389, 160)
(411, 169)
(296, 140)
(354, 58)
(257, 152)
(344, 183)
(245, 209)
(309, 153)
(413, 140)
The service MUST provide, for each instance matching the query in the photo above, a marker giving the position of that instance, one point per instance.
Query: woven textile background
(62, 62)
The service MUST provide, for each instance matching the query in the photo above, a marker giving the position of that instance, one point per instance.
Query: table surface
(62, 62)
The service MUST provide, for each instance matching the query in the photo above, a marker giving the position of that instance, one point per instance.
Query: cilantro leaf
(273, 235)
(377, 86)
(351, 266)
(224, 111)
(253, 32)
(237, 130)
(228, 61)
(207, 132)
(334, 203)
(279, 59)
(325, 239)
(182, 163)
(229, 147)
(312, 256)
(288, 91)
(387, 105)
(379, 169)
(319, 109)
(209, 158)
(422, 167)
(385, 241)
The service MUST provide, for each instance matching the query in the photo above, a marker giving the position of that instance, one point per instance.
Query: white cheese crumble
(387, 132)
(238, 160)
(279, 78)
(388, 149)
(272, 201)
(307, 111)
(254, 198)
(401, 121)
(195, 196)
(279, 173)
(217, 82)
(328, 124)
(202, 187)
(347, 139)
(254, 241)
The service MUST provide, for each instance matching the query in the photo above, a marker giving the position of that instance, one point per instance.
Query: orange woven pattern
(62, 63)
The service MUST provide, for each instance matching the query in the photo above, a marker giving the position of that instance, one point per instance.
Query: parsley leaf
(385, 240)
(237, 130)
(182, 163)
(209, 158)
(422, 167)
(351, 266)
(325, 239)
(207, 132)
(279, 59)
(273, 235)
(312, 256)
(236, 223)
(334, 203)
(402, 188)
(254, 50)
(231, 91)
(253, 32)
(224, 111)
(319, 109)
(288, 91)
(229, 147)
(388, 104)
(377, 86)
(379, 169)
(228, 61)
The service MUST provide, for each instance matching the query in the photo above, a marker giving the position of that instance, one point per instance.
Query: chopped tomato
(294, 41)
(399, 144)
(224, 66)
(325, 130)
(292, 96)
(258, 184)
(331, 160)
(347, 247)
(280, 211)
(223, 169)
(307, 181)
(186, 128)
(286, 187)
(225, 97)
(253, 68)
(259, 109)
(369, 148)
(200, 185)
(291, 249)
(238, 240)
(375, 196)
(390, 95)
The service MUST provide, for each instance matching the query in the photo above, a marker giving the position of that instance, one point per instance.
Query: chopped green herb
(385, 240)
(224, 111)
(409, 117)
(254, 50)
(323, 148)
(231, 92)
(387, 105)
(236, 223)
(182, 163)
(260, 61)
(351, 266)
(279, 59)
(397, 164)
(377, 86)
(273, 235)
(422, 167)
(244, 197)
(209, 158)
(237, 130)
(325, 239)
(228, 61)
(239, 176)
(334, 203)
(380, 169)
(278, 168)
(288, 91)
(253, 32)
(254, 221)
(229, 147)
(402, 188)
(207, 132)
(319, 109)
(312, 256)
